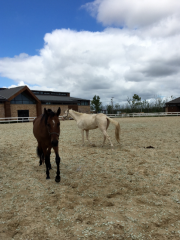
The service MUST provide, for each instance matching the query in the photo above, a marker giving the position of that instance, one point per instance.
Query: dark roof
(2, 98)
(6, 93)
(177, 100)
(52, 98)
(9, 92)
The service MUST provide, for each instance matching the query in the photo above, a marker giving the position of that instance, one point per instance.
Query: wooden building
(173, 106)
(23, 102)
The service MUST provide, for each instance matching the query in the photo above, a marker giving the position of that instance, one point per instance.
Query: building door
(73, 107)
(23, 115)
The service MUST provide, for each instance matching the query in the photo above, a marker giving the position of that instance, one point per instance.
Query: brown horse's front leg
(58, 159)
(49, 152)
(47, 162)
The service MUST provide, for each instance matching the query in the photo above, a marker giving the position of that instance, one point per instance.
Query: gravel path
(130, 192)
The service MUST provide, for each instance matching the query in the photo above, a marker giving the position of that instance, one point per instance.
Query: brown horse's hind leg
(40, 154)
(41, 159)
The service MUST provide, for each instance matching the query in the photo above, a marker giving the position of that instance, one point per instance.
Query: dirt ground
(131, 192)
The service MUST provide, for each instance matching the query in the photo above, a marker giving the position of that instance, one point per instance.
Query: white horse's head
(66, 114)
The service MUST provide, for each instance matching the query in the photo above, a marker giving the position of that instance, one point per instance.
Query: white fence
(18, 119)
(160, 114)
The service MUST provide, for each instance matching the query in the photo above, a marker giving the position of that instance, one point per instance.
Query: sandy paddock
(132, 192)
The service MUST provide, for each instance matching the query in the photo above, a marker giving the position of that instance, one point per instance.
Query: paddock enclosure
(130, 192)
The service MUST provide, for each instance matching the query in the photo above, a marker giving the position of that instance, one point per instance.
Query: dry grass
(129, 193)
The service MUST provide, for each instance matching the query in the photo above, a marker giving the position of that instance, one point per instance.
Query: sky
(109, 48)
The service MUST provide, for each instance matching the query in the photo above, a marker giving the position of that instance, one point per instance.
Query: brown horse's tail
(117, 129)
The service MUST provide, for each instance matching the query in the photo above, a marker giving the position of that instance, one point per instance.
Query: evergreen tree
(96, 104)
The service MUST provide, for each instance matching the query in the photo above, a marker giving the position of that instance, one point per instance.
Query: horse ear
(58, 111)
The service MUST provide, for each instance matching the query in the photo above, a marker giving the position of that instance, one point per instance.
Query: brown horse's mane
(45, 116)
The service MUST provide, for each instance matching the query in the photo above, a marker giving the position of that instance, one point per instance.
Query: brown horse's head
(53, 125)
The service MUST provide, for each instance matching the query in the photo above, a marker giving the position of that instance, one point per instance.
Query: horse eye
(48, 125)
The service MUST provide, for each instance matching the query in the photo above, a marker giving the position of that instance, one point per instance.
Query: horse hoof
(47, 177)
(58, 179)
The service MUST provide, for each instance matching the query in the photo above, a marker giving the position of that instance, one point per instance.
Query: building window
(50, 93)
(23, 98)
(83, 103)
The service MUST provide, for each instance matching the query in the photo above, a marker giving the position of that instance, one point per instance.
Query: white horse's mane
(76, 112)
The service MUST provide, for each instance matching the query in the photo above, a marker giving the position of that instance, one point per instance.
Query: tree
(96, 104)
(134, 102)
(117, 106)
(109, 109)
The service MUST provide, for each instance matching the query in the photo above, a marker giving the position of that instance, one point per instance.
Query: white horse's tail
(117, 129)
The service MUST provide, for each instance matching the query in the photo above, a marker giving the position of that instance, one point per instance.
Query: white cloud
(115, 63)
(133, 14)
(112, 63)
(21, 83)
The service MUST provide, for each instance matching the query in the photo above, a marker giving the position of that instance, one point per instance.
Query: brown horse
(46, 129)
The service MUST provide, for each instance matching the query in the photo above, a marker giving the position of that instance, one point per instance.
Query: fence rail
(157, 114)
(160, 114)
(18, 119)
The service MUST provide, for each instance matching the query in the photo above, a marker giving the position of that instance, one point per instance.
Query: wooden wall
(173, 109)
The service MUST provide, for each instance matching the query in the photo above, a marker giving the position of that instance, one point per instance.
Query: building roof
(52, 98)
(9, 92)
(6, 93)
(177, 100)
(2, 98)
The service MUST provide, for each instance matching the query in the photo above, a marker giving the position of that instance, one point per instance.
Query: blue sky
(103, 47)
(23, 24)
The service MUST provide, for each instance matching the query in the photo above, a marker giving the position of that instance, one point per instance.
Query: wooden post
(38, 108)
(7, 109)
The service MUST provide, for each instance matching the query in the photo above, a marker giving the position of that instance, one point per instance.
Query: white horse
(88, 122)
